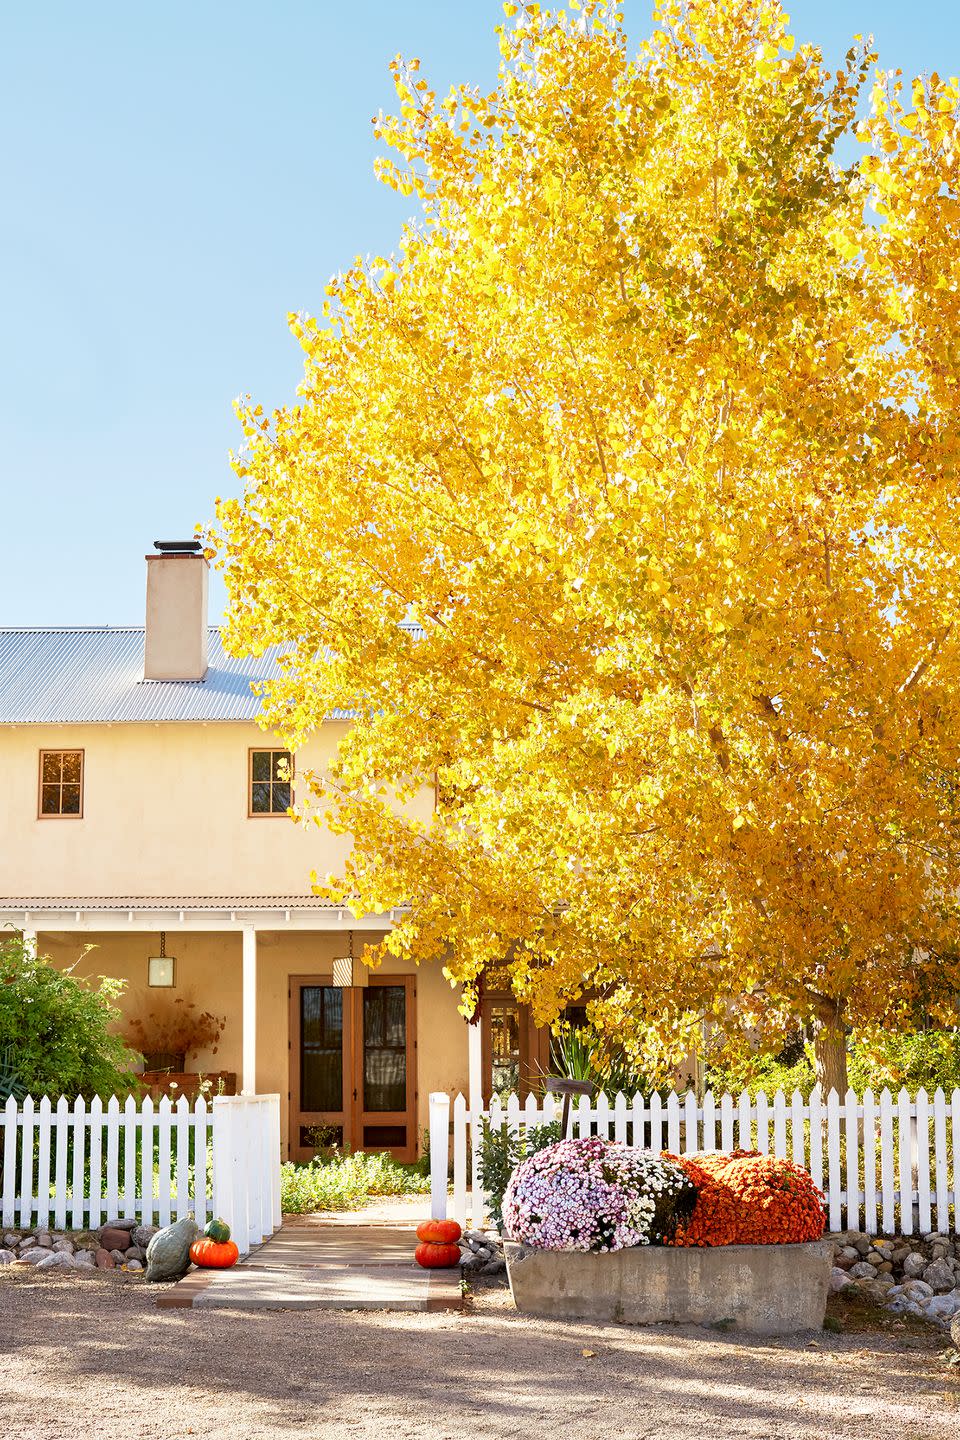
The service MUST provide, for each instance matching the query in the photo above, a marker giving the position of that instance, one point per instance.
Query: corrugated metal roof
(90, 675)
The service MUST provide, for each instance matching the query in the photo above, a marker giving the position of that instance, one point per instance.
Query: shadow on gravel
(484, 1374)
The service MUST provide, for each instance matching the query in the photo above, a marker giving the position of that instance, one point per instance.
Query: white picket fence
(886, 1164)
(76, 1166)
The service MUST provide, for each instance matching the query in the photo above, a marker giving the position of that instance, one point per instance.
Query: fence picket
(869, 1163)
(602, 1112)
(147, 1162)
(955, 1106)
(130, 1160)
(673, 1123)
(620, 1118)
(200, 1142)
(851, 1121)
(61, 1124)
(163, 1161)
(780, 1125)
(95, 1210)
(79, 1151)
(10, 1120)
(112, 1185)
(798, 1128)
(922, 1106)
(726, 1122)
(656, 1121)
(744, 1116)
(26, 1164)
(709, 1141)
(816, 1136)
(43, 1162)
(460, 1160)
(183, 1157)
(833, 1159)
(886, 1160)
(763, 1123)
(940, 1160)
(904, 1126)
(690, 1124)
(638, 1111)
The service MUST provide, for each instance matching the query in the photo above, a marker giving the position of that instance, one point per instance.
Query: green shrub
(926, 1059)
(344, 1182)
(56, 1029)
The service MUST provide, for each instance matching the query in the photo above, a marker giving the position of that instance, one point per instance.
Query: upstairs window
(270, 782)
(61, 783)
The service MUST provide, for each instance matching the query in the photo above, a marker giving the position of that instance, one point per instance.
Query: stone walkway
(362, 1260)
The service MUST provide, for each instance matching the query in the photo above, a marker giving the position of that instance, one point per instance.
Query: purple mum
(592, 1194)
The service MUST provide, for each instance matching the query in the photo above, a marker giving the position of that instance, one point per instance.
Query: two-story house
(143, 812)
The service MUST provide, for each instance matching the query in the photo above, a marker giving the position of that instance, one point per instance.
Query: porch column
(29, 941)
(249, 1076)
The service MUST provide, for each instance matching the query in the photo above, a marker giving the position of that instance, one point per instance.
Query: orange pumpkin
(439, 1232)
(440, 1257)
(214, 1254)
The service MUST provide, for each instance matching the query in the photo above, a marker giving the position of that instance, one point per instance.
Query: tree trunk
(830, 1049)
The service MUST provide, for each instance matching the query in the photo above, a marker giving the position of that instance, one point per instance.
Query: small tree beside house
(650, 424)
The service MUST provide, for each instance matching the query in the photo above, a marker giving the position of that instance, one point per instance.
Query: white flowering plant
(595, 1194)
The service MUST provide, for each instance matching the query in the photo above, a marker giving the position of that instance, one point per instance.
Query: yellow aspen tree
(621, 501)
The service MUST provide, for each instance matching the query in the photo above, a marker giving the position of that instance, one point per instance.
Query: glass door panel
(387, 1119)
(320, 1066)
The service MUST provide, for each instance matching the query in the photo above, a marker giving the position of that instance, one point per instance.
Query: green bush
(344, 1182)
(926, 1059)
(57, 1029)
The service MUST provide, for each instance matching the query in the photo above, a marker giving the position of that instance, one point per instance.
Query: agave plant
(10, 1082)
(578, 1054)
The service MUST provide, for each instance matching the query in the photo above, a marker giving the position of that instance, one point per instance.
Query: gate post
(439, 1153)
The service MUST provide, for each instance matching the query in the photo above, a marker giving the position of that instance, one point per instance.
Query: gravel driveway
(93, 1357)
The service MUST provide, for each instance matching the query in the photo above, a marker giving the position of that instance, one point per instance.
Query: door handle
(354, 1092)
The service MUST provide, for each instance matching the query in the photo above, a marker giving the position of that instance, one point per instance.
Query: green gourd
(217, 1230)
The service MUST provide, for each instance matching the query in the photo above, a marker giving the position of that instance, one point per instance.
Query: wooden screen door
(353, 1064)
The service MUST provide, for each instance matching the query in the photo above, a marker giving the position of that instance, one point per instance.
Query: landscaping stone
(121, 1225)
(84, 1260)
(142, 1235)
(134, 1265)
(119, 1256)
(34, 1253)
(115, 1237)
(839, 1280)
(64, 1246)
(168, 1254)
(7, 1257)
(104, 1260)
(57, 1260)
(914, 1265)
(955, 1331)
(863, 1270)
(939, 1275)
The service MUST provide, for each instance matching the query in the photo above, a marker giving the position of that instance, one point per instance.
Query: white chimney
(175, 645)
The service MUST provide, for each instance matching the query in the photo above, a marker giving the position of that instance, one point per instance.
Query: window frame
(268, 750)
(60, 814)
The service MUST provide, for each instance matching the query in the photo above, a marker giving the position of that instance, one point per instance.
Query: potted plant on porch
(170, 1033)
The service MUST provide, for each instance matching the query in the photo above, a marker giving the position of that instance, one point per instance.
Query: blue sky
(177, 178)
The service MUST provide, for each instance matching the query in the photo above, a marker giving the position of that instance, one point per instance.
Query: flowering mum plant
(744, 1198)
(595, 1194)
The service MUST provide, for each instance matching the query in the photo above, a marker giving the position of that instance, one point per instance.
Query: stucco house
(143, 811)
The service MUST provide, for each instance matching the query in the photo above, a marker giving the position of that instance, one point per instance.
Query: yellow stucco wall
(208, 970)
(164, 813)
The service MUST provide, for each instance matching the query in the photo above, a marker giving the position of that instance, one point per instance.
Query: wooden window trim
(268, 750)
(61, 814)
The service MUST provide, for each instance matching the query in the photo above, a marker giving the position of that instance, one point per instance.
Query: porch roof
(190, 912)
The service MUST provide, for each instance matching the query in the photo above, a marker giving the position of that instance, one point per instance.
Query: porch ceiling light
(161, 968)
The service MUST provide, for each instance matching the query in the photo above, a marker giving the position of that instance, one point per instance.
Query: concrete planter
(756, 1289)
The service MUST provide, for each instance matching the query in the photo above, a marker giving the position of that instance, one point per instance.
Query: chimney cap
(178, 547)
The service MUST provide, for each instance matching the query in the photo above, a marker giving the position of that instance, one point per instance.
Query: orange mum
(744, 1198)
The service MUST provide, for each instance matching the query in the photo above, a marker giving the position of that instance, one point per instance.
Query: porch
(352, 1053)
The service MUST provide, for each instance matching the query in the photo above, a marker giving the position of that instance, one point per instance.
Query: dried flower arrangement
(172, 1030)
